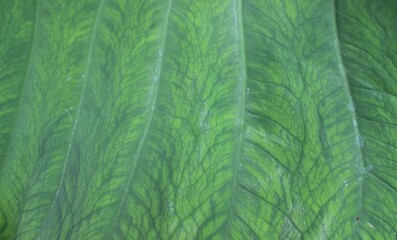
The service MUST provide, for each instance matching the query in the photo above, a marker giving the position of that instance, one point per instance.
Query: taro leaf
(177, 119)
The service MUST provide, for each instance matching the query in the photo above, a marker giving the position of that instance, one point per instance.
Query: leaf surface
(198, 119)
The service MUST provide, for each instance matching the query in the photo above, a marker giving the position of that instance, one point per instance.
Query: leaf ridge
(84, 84)
(351, 106)
(152, 108)
(23, 89)
(238, 12)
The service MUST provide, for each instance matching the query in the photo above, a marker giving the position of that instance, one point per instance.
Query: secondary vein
(242, 79)
(84, 84)
(352, 109)
(23, 89)
(152, 106)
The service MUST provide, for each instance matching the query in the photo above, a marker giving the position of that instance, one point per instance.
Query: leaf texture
(176, 119)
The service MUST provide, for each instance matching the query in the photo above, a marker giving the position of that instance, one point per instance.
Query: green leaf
(224, 119)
